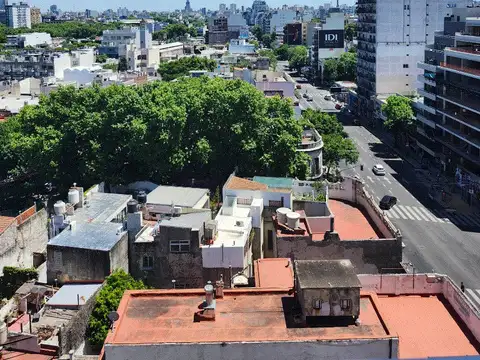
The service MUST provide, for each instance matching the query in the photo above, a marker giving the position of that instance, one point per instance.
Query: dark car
(387, 202)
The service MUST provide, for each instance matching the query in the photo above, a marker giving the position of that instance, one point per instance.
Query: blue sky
(158, 5)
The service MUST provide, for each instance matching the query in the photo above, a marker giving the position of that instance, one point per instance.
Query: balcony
(428, 134)
(461, 101)
(429, 95)
(467, 38)
(472, 140)
(463, 117)
(461, 149)
(426, 80)
(422, 106)
(426, 121)
(468, 53)
(311, 141)
(475, 73)
(426, 66)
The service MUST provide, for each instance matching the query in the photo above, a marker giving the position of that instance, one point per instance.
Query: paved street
(435, 239)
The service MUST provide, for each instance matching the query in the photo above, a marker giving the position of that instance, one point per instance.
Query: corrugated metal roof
(91, 236)
(67, 295)
(176, 195)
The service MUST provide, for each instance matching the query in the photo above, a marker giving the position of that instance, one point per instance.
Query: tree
(122, 64)
(298, 58)
(267, 40)
(343, 68)
(330, 70)
(255, 43)
(399, 113)
(324, 123)
(350, 31)
(174, 69)
(282, 52)
(215, 202)
(113, 67)
(107, 301)
(101, 58)
(162, 131)
(257, 32)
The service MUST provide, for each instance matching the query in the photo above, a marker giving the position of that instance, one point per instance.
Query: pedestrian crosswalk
(474, 296)
(418, 213)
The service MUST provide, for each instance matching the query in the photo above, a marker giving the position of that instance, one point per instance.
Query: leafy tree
(215, 202)
(13, 278)
(113, 67)
(255, 43)
(399, 113)
(122, 64)
(107, 301)
(257, 32)
(174, 69)
(162, 131)
(267, 40)
(343, 68)
(101, 58)
(298, 57)
(271, 55)
(330, 70)
(350, 31)
(325, 123)
(282, 52)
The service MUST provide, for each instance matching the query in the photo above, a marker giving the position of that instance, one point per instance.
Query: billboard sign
(294, 34)
(331, 39)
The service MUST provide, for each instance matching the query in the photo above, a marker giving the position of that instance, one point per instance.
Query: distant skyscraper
(222, 7)
(2, 4)
(233, 8)
(53, 9)
(203, 11)
(188, 8)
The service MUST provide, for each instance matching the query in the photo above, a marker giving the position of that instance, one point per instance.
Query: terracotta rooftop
(238, 183)
(19, 355)
(352, 223)
(426, 326)
(5, 221)
(243, 315)
(275, 273)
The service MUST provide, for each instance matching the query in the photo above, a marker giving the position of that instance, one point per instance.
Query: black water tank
(142, 197)
(132, 206)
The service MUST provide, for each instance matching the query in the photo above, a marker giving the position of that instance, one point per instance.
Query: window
(345, 304)
(270, 240)
(405, 66)
(147, 262)
(274, 203)
(317, 304)
(179, 246)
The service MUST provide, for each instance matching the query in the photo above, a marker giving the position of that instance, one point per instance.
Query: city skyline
(147, 5)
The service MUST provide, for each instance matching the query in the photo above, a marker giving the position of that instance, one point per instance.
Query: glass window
(345, 304)
(179, 246)
(147, 262)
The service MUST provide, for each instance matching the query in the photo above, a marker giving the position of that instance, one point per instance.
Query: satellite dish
(113, 316)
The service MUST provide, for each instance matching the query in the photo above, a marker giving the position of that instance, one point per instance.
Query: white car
(378, 169)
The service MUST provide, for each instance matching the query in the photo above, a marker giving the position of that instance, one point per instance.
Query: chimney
(208, 293)
(219, 288)
(207, 312)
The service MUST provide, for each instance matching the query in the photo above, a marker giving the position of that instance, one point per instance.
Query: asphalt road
(434, 238)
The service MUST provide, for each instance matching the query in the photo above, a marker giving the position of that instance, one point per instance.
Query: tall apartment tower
(18, 15)
(392, 35)
(448, 116)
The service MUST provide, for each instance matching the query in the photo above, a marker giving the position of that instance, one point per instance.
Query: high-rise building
(35, 15)
(18, 15)
(391, 39)
(448, 125)
(188, 8)
(259, 7)
(54, 9)
(222, 7)
(3, 3)
(233, 8)
(123, 12)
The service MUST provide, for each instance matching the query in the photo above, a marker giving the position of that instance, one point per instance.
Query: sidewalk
(426, 177)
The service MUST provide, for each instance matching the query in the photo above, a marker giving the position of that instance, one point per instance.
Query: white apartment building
(33, 39)
(18, 15)
(391, 39)
(114, 40)
(280, 18)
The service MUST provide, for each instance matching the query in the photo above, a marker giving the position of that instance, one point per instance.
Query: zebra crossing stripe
(441, 215)
(469, 220)
(392, 214)
(430, 215)
(400, 212)
(473, 295)
(422, 215)
(413, 212)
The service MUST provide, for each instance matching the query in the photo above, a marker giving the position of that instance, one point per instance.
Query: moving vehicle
(328, 97)
(338, 106)
(305, 95)
(378, 170)
(388, 202)
(309, 98)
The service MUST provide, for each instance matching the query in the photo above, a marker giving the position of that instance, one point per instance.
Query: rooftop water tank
(73, 196)
(142, 197)
(132, 206)
(282, 214)
(59, 207)
(293, 220)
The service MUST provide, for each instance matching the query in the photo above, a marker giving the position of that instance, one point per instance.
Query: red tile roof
(18, 355)
(5, 222)
(238, 183)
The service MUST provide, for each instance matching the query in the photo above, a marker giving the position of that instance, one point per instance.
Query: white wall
(280, 18)
(60, 63)
(80, 76)
(35, 39)
(299, 350)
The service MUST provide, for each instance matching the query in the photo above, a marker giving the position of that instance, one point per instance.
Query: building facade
(391, 40)
(35, 15)
(18, 15)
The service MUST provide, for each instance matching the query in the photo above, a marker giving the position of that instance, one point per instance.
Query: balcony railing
(463, 117)
(311, 139)
(462, 101)
(464, 69)
(473, 51)
(472, 140)
(461, 149)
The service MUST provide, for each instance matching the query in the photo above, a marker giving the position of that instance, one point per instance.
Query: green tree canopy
(257, 32)
(122, 64)
(107, 301)
(174, 32)
(350, 31)
(174, 69)
(399, 113)
(161, 131)
(298, 57)
(343, 68)
(282, 52)
(271, 55)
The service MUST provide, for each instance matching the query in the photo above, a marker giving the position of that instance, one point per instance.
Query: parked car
(298, 86)
(388, 202)
(378, 170)
(305, 95)
(328, 97)
(338, 106)
(309, 98)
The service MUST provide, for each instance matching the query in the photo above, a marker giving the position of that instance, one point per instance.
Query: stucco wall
(72, 335)
(301, 350)
(119, 255)
(18, 243)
